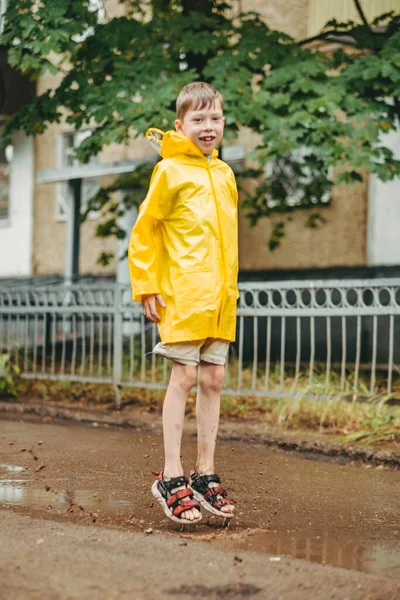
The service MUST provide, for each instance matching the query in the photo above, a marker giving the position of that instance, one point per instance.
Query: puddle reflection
(379, 559)
(11, 490)
(12, 468)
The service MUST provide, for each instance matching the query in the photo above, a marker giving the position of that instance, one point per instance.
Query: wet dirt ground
(288, 504)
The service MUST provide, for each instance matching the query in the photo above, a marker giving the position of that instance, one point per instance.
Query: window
(289, 177)
(90, 186)
(6, 156)
(3, 8)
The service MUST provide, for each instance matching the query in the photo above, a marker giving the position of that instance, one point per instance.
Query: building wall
(384, 214)
(341, 241)
(16, 230)
(344, 10)
(49, 232)
(289, 17)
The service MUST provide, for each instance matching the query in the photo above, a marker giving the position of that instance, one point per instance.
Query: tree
(313, 111)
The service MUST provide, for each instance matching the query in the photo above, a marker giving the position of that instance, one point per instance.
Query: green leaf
(123, 75)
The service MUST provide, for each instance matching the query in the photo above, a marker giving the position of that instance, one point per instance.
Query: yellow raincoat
(184, 243)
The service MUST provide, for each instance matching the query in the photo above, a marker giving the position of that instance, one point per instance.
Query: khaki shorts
(210, 350)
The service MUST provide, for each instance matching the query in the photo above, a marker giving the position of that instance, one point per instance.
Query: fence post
(117, 346)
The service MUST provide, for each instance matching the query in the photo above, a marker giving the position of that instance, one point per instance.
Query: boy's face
(204, 126)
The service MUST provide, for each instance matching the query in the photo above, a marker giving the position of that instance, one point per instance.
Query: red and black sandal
(212, 498)
(175, 501)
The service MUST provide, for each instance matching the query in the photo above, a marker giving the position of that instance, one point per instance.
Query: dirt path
(43, 560)
(89, 483)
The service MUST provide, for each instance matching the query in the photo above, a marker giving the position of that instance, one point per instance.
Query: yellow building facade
(341, 242)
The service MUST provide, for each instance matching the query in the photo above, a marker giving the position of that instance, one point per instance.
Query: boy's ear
(178, 126)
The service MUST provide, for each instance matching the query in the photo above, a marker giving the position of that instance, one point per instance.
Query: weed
(9, 376)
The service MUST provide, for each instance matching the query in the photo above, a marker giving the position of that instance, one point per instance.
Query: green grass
(374, 421)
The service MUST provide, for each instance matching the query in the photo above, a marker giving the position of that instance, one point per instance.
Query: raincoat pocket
(195, 289)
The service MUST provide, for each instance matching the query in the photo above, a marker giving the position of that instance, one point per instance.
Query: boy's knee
(211, 377)
(186, 375)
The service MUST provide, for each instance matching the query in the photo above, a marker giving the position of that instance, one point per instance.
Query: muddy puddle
(379, 559)
(341, 515)
(18, 492)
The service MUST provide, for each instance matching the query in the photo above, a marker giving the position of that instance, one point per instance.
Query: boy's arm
(142, 249)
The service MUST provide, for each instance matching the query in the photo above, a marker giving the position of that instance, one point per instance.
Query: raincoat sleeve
(234, 190)
(142, 251)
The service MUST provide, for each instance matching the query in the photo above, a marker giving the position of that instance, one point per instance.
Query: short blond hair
(196, 96)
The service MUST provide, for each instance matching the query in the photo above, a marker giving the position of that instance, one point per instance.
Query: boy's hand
(150, 308)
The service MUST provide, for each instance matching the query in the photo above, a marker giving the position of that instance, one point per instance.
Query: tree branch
(57, 67)
(330, 37)
(361, 13)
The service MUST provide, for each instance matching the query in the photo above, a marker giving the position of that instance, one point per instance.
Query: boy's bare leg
(183, 377)
(210, 382)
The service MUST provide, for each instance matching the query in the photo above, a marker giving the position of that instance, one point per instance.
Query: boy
(183, 261)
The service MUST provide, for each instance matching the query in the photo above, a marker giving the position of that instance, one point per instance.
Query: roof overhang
(83, 171)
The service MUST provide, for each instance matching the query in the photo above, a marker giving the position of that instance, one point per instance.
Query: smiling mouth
(207, 138)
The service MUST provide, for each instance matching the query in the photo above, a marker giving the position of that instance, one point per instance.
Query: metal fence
(325, 338)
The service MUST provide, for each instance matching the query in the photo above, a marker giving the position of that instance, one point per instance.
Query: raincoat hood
(171, 143)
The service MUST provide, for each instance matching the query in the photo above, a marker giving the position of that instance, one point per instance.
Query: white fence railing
(331, 338)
